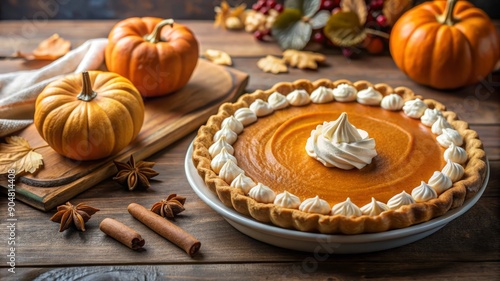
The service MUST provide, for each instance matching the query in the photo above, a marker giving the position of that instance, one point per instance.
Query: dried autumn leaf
(52, 48)
(272, 64)
(303, 59)
(356, 6)
(344, 29)
(393, 9)
(224, 11)
(218, 57)
(17, 154)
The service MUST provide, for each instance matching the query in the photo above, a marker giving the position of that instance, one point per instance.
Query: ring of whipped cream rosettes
(427, 200)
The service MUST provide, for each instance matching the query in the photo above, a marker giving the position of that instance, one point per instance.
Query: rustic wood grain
(468, 248)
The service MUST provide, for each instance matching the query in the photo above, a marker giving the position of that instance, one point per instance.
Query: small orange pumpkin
(82, 123)
(445, 44)
(158, 56)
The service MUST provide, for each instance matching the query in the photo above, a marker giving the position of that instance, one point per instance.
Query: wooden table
(468, 248)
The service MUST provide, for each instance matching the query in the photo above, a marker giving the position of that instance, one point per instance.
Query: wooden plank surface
(468, 248)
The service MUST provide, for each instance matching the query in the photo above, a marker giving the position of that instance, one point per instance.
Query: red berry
(264, 10)
(381, 20)
(271, 3)
(369, 17)
(327, 5)
(319, 37)
(257, 6)
(279, 8)
(376, 4)
(259, 35)
(350, 52)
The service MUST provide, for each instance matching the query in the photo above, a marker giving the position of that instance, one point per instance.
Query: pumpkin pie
(339, 157)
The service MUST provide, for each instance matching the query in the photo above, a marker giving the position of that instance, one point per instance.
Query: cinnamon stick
(165, 228)
(122, 233)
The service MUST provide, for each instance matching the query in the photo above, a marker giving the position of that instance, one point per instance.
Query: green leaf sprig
(293, 28)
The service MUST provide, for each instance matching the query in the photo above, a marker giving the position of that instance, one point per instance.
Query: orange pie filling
(406, 155)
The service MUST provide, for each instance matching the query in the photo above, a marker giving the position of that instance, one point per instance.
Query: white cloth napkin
(18, 90)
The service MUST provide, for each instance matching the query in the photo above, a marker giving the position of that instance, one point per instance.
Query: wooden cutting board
(166, 120)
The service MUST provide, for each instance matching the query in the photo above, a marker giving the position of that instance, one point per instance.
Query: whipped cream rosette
(340, 144)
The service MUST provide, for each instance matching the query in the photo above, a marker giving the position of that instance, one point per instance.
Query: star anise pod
(132, 174)
(70, 214)
(169, 207)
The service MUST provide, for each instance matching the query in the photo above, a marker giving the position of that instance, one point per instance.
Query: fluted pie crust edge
(471, 182)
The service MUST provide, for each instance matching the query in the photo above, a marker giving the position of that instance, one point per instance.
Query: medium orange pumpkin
(82, 123)
(158, 56)
(445, 44)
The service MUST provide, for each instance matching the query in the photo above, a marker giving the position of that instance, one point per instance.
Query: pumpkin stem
(87, 93)
(155, 36)
(447, 17)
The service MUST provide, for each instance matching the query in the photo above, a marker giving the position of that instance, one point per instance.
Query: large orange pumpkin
(158, 56)
(89, 116)
(445, 44)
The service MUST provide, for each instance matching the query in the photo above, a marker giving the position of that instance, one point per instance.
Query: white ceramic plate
(322, 243)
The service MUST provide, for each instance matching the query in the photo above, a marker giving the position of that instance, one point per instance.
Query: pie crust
(407, 215)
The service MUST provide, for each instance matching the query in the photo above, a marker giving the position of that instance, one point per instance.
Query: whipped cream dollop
(243, 182)
(369, 96)
(399, 200)
(322, 95)
(220, 159)
(340, 144)
(229, 171)
(346, 208)
(217, 146)
(453, 170)
(392, 102)
(298, 97)
(450, 136)
(345, 93)
(261, 108)
(455, 153)
(374, 208)
(423, 192)
(414, 108)
(229, 135)
(277, 101)
(430, 116)
(233, 124)
(287, 200)
(440, 124)
(245, 116)
(315, 205)
(440, 182)
(262, 193)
